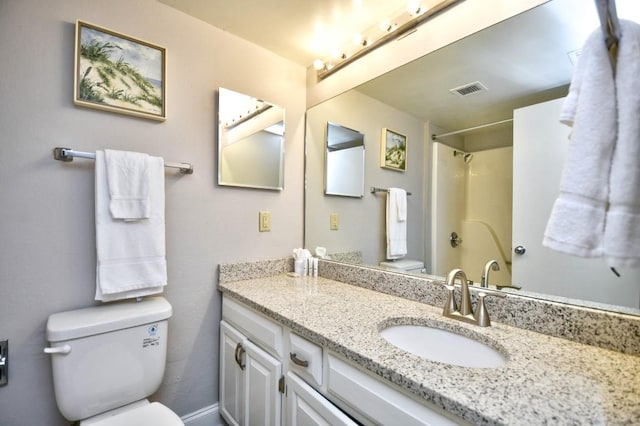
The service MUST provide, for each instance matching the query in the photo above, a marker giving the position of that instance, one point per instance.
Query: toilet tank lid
(104, 318)
(403, 264)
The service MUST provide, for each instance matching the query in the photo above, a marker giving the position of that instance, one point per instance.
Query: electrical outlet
(4, 362)
(264, 219)
(333, 221)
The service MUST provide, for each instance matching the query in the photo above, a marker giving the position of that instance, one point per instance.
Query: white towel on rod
(396, 223)
(128, 180)
(130, 254)
(622, 229)
(577, 220)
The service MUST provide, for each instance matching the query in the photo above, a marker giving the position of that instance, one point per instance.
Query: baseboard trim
(207, 416)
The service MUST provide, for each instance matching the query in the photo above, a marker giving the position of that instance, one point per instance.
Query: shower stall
(472, 197)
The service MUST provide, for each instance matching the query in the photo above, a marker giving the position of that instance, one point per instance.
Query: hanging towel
(622, 229)
(577, 220)
(396, 223)
(128, 180)
(130, 254)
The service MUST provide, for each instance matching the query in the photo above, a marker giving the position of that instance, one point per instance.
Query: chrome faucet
(490, 265)
(465, 312)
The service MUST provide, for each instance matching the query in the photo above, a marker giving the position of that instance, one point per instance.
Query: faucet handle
(482, 314)
(450, 306)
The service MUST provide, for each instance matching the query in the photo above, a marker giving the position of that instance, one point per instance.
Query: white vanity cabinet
(249, 379)
(271, 376)
(254, 352)
(250, 367)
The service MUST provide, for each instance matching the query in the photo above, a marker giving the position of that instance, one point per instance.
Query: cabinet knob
(520, 250)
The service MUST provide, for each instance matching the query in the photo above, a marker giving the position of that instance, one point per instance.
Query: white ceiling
(299, 30)
(521, 60)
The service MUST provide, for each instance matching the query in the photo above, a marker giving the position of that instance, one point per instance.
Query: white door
(540, 144)
(306, 407)
(231, 383)
(263, 401)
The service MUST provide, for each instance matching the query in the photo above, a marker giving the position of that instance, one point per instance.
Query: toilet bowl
(106, 360)
(404, 265)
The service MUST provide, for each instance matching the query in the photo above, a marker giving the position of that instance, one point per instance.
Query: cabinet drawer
(379, 401)
(305, 358)
(258, 328)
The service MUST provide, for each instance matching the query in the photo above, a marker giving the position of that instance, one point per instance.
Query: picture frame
(393, 150)
(117, 73)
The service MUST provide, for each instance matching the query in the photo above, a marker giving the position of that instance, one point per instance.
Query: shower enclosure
(472, 196)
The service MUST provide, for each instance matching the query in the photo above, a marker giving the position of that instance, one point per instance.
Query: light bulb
(385, 25)
(414, 8)
(318, 64)
(358, 40)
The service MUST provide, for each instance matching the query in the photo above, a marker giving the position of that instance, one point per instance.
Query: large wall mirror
(491, 172)
(250, 141)
(344, 162)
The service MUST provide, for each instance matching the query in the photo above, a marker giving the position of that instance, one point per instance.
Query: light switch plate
(264, 219)
(333, 221)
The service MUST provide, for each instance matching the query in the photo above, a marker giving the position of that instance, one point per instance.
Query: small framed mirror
(344, 161)
(250, 142)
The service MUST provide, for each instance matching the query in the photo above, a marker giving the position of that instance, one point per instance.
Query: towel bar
(373, 190)
(67, 155)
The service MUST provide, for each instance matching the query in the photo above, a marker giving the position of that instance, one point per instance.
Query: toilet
(106, 360)
(404, 265)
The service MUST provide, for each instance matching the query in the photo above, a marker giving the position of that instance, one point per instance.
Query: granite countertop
(546, 380)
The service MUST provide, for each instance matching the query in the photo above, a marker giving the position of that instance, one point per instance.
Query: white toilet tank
(107, 356)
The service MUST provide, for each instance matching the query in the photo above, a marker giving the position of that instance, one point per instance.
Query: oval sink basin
(443, 346)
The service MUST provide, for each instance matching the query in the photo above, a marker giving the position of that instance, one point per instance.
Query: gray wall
(47, 260)
(362, 220)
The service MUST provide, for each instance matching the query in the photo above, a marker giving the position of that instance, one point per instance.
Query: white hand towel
(130, 254)
(128, 180)
(622, 230)
(576, 224)
(396, 223)
(400, 196)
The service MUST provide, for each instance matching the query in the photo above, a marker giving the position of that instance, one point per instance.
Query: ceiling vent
(469, 89)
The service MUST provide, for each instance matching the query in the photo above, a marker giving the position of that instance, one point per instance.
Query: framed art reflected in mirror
(393, 150)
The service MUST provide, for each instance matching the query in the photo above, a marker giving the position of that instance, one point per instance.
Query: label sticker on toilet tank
(153, 339)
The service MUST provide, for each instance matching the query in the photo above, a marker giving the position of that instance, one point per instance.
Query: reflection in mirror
(250, 142)
(344, 162)
(513, 164)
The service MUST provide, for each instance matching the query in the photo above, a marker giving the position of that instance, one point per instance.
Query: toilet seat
(154, 414)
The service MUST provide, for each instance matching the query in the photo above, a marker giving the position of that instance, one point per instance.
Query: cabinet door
(306, 407)
(263, 400)
(231, 375)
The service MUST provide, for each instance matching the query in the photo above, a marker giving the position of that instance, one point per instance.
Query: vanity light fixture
(401, 24)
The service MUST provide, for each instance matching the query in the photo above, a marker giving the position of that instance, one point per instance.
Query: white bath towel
(396, 223)
(130, 254)
(576, 224)
(128, 180)
(622, 229)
